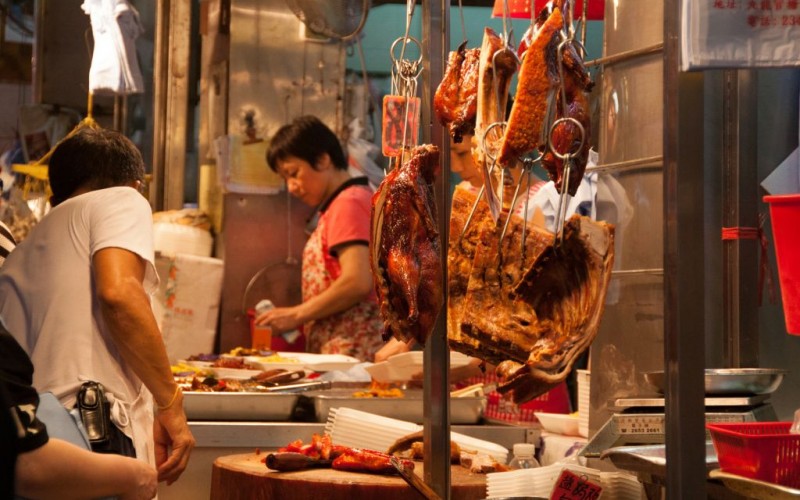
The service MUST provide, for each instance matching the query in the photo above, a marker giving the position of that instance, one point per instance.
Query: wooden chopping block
(245, 477)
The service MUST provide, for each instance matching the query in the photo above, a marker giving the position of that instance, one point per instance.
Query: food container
(408, 365)
(463, 410)
(559, 423)
(728, 381)
(239, 405)
(758, 450)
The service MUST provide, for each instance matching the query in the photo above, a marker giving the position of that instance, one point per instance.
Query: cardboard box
(186, 304)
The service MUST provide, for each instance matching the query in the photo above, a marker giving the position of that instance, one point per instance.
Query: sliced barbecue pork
(456, 99)
(405, 247)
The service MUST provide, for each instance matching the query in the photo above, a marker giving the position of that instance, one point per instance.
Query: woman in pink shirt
(339, 312)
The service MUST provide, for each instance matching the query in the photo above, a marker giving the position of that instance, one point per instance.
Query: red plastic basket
(760, 450)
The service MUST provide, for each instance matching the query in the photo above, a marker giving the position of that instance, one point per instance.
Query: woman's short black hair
(306, 138)
(94, 159)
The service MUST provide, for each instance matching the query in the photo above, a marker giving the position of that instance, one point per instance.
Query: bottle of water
(523, 457)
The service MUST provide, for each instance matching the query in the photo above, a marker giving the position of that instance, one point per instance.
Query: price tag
(400, 115)
(571, 486)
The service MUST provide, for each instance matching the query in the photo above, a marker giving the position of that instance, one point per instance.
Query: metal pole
(684, 325)
(436, 390)
(740, 209)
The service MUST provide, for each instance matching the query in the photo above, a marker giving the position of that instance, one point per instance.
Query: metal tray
(719, 381)
(239, 405)
(463, 410)
(753, 488)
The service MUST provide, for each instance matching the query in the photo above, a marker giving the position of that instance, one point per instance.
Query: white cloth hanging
(115, 27)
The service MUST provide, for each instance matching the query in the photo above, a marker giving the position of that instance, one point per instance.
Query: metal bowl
(728, 381)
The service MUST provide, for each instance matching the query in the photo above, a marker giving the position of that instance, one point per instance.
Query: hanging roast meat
(568, 138)
(456, 99)
(405, 247)
(460, 255)
(538, 79)
(497, 67)
(540, 91)
(530, 310)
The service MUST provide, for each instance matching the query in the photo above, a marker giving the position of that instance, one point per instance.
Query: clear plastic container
(523, 457)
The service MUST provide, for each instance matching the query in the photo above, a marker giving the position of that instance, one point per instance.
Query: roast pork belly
(460, 256)
(533, 310)
(405, 246)
(538, 79)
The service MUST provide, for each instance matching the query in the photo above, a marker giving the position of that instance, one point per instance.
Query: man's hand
(174, 441)
(146, 482)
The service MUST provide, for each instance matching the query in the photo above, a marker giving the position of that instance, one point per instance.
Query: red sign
(571, 486)
(522, 8)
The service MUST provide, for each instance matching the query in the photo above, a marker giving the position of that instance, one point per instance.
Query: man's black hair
(306, 138)
(93, 159)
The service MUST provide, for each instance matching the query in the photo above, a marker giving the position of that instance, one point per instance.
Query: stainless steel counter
(215, 439)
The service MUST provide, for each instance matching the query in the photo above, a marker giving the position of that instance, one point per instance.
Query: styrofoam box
(186, 305)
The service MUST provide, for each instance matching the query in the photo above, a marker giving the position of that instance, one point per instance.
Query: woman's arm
(59, 469)
(352, 286)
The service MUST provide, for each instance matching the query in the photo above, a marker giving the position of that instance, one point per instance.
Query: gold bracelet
(171, 401)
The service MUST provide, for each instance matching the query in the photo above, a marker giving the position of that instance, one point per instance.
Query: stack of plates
(309, 361)
(584, 376)
(538, 482)
(358, 429)
(408, 365)
(621, 485)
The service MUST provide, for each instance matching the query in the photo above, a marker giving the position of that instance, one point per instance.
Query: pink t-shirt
(348, 217)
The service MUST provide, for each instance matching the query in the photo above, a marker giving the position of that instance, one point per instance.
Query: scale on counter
(641, 421)
(732, 395)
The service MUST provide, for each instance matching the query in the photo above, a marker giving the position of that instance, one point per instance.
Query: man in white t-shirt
(75, 294)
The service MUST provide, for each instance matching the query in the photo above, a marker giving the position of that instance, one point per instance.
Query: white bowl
(559, 423)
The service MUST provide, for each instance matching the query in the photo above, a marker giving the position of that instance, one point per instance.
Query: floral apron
(356, 331)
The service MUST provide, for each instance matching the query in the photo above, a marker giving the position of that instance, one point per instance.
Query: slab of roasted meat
(456, 99)
(460, 255)
(538, 78)
(404, 254)
(531, 310)
(566, 138)
(497, 67)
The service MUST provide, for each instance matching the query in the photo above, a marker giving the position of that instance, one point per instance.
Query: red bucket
(785, 213)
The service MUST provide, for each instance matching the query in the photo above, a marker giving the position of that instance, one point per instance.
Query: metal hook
(492, 157)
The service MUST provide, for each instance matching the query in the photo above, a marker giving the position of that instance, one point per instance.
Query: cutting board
(245, 477)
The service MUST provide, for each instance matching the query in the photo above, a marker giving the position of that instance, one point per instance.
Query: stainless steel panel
(638, 239)
(631, 110)
(277, 75)
(632, 24)
(629, 343)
